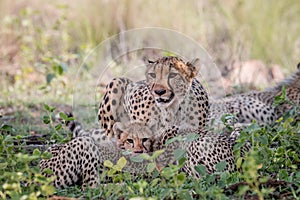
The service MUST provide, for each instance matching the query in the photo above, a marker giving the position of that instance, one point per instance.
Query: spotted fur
(259, 106)
(170, 95)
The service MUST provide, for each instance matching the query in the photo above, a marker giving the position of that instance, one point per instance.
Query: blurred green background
(42, 43)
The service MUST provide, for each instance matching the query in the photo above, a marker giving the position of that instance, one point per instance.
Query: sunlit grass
(43, 34)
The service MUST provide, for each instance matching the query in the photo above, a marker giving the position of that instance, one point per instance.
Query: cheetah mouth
(161, 100)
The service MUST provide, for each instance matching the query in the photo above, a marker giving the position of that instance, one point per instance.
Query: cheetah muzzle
(165, 101)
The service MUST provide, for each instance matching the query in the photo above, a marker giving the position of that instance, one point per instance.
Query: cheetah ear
(118, 129)
(148, 61)
(194, 67)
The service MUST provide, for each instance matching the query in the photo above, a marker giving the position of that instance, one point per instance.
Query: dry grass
(35, 35)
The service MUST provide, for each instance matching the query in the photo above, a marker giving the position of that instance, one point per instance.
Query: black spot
(108, 108)
(111, 84)
(265, 112)
(106, 99)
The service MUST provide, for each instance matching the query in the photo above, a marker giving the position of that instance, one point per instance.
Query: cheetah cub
(81, 160)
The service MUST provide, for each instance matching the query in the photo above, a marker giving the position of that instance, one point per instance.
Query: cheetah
(80, 161)
(125, 138)
(259, 106)
(207, 148)
(170, 95)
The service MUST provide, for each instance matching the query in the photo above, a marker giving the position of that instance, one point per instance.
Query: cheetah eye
(144, 140)
(152, 75)
(172, 75)
(130, 141)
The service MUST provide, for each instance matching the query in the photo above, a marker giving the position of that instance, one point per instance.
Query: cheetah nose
(160, 92)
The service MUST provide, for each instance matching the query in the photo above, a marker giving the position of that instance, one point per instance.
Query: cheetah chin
(165, 102)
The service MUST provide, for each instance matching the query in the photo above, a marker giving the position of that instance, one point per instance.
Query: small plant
(48, 119)
(19, 179)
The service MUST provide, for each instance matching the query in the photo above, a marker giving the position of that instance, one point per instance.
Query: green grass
(268, 171)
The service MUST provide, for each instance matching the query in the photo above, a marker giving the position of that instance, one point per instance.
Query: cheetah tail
(74, 126)
(293, 81)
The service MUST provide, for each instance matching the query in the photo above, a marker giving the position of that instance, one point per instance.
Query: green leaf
(126, 152)
(281, 98)
(239, 162)
(179, 153)
(50, 77)
(7, 128)
(263, 139)
(49, 108)
(63, 116)
(181, 177)
(46, 155)
(19, 137)
(157, 153)
(201, 170)
(136, 158)
(221, 166)
(108, 164)
(58, 127)
(48, 189)
(60, 70)
(154, 182)
(151, 167)
(46, 119)
(121, 163)
(3, 165)
(243, 189)
(111, 172)
(192, 137)
(177, 138)
(186, 195)
(48, 171)
(181, 161)
(36, 152)
(145, 156)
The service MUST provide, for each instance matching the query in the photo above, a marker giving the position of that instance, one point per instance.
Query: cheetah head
(169, 78)
(135, 137)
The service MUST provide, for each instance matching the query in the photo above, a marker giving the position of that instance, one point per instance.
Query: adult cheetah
(170, 95)
(259, 106)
